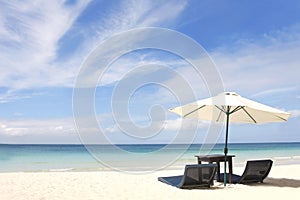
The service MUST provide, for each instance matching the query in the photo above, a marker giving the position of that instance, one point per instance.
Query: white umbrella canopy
(241, 110)
(229, 106)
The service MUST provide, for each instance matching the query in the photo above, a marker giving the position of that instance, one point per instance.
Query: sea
(133, 157)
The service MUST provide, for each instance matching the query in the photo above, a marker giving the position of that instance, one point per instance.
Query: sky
(254, 46)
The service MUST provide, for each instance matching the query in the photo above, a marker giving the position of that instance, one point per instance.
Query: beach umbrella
(230, 107)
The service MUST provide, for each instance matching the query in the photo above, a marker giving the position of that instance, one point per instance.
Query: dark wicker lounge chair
(195, 176)
(255, 171)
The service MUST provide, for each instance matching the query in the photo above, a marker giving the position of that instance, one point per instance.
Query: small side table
(217, 158)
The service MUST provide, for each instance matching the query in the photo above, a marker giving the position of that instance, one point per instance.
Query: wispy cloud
(29, 127)
(29, 40)
(31, 33)
(275, 90)
(185, 124)
(14, 95)
(255, 68)
(10, 96)
(294, 113)
(172, 125)
(269, 62)
(133, 14)
(123, 17)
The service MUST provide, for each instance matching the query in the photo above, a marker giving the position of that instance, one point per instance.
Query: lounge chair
(255, 171)
(195, 176)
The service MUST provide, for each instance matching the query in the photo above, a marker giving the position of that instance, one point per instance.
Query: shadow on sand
(282, 182)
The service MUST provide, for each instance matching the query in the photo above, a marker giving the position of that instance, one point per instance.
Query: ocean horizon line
(78, 144)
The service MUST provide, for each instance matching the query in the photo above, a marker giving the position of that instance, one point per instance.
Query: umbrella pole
(226, 143)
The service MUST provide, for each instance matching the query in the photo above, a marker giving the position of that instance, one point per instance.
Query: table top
(214, 157)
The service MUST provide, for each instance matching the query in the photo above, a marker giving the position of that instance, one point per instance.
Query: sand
(283, 182)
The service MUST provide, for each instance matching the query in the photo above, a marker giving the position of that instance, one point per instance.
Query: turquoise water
(20, 158)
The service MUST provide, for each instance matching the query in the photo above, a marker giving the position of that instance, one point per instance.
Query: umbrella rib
(249, 115)
(222, 109)
(237, 109)
(194, 111)
(219, 116)
(280, 117)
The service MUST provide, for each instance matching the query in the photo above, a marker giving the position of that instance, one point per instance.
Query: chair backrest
(256, 171)
(198, 175)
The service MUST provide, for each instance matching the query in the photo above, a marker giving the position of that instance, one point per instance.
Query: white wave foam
(61, 170)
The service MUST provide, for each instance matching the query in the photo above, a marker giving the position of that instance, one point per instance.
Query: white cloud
(14, 95)
(10, 96)
(167, 74)
(184, 124)
(36, 127)
(32, 31)
(30, 34)
(294, 113)
(267, 66)
(128, 15)
(262, 65)
(133, 14)
(274, 91)
(172, 125)
(126, 67)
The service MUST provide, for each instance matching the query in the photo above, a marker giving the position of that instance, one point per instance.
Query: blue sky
(255, 46)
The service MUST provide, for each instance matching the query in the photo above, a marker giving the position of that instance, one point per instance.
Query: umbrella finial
(231, 93)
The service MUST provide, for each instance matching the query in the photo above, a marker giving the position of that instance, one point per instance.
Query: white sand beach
(282, 182)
